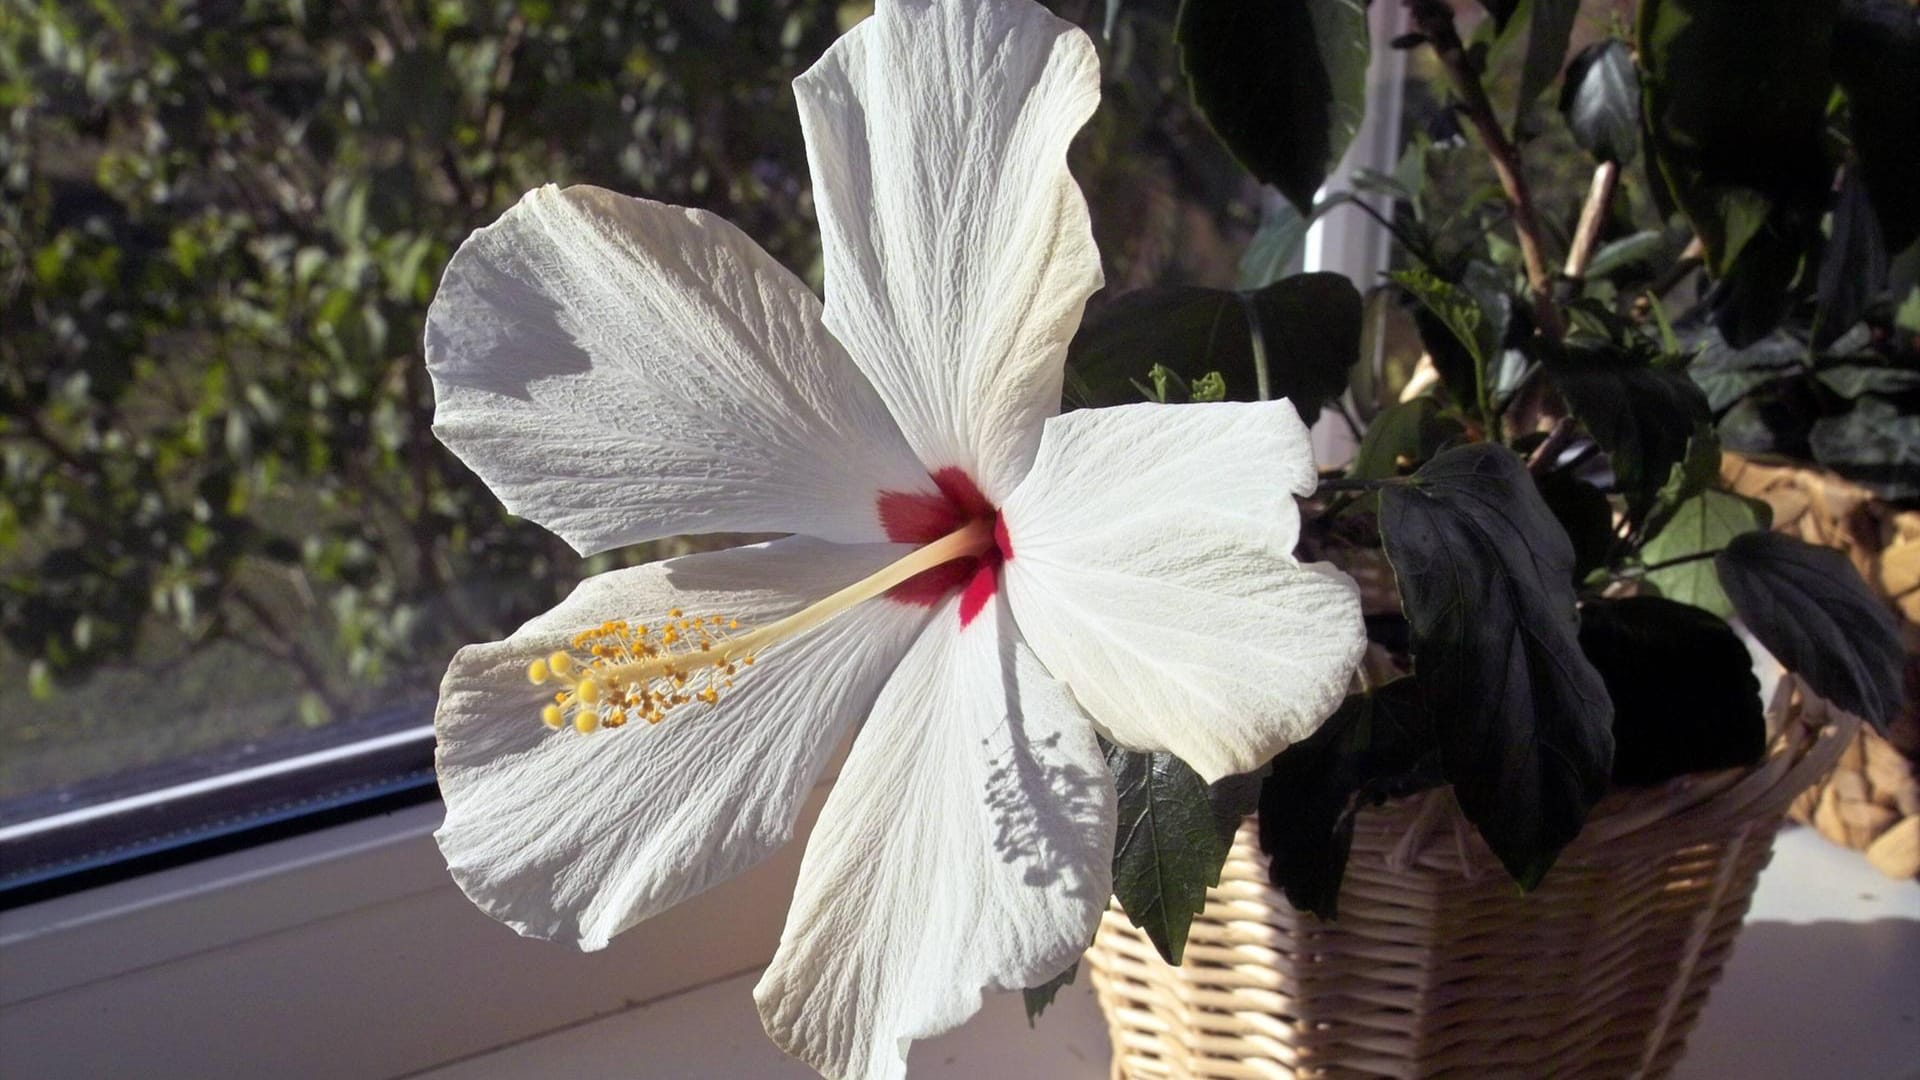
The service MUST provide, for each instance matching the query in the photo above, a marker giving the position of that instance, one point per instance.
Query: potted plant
(1554, 696)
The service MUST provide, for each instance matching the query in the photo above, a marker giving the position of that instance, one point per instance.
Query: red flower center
(913, 518)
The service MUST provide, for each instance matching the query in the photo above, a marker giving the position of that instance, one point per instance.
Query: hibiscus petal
(1153, 570)
(966, 845)
(958, 250)
(570, 836)
(620, 370)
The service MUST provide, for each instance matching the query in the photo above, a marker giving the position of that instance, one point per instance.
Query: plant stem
(1434, 20)
(1347, 483)
(1641, 571)
(1592, 214)
(1543, 456)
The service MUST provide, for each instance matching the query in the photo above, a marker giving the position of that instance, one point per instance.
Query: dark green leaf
(1810, 609)
(1306, 328)
(1727, 374)
(1463, 326)
(1168, 850)
(1876, 56)
(1853, 266)
(1601, 101)
(1584, 512)
(1627, 251)
(1501, 10)
(1699, 526)
(1284, 84)
(1697, 472)
(1377, 746)
(1309, 328)
(1549, 26)
(1037, 998)
(1642, 415)
(1187, 329)
(1875, 443)
(1275, 246)
(1853, 380)
(1524, 722)
(1684, 695)
(1735, 96)
(1233, 798)
(1403, 437)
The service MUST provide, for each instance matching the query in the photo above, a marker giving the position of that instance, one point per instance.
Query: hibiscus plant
(1540, 504)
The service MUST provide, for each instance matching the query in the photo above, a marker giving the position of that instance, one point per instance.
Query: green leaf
(1853, 380)
(1641, 247)
(1549, 26)
(1853, 266)
(1726, 374)
(1907, 315)
(1037, 998)
(1875, 443)
(1699, 526)
(1684, 695)
(1698, 471)
(1735, 98)
(1304, 328)
(1463, 326)
(1524, 722)
(1584, 512)
(1734, 95)
(1642, 415)
(1601, 102)
(1810, 609)
(1308, 327)
(1402, 438)
(1167, 851)
(1209, 387)
(1377, 746)
(1275, 245)
(1501, 10)
(1284, 83)
(1876, 57)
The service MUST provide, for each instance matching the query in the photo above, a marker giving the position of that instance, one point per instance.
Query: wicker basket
(1872, 801)
(1438, 967)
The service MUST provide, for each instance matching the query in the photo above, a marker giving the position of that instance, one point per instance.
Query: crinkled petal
(1153, 570)
(958, 250)
(620, 370)
(966, 846)
(578, 837)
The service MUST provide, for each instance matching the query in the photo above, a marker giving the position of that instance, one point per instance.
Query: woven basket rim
(1626, 818)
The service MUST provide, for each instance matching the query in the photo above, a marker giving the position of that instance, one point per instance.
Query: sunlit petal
(564, 835)
(620, 370)
(1153, 570)
(966, 846)
(958, 251)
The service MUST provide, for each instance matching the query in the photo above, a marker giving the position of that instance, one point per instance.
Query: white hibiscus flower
(985, 583)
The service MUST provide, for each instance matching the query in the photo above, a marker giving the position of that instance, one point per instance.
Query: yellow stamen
(647, 670)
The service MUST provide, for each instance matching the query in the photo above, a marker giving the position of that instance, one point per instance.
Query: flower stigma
(619, 672)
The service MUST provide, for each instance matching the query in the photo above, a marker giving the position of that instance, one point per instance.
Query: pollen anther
(618, 671)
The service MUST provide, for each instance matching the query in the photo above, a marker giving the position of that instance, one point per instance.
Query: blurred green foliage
(220, 226)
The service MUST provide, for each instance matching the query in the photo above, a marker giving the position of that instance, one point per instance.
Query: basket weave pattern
(1438, 967)
(1872, 801)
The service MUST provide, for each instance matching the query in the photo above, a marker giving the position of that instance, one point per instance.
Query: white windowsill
(348, 953)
